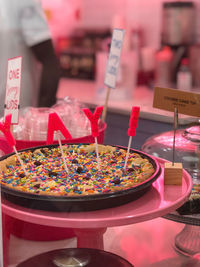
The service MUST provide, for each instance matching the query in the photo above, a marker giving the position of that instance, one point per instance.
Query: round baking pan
(76, 257)
(80, 203)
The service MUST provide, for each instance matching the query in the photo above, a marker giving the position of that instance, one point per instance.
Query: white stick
(1, 235)
(21, 162)
(97, 153)
(106, 104)
(127, 153)
(61, 149)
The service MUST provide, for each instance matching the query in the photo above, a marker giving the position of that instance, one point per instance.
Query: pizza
(46, 173)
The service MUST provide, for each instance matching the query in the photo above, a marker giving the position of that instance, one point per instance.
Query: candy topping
(47, 175)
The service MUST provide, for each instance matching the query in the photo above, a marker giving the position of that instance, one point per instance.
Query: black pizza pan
(80, 203)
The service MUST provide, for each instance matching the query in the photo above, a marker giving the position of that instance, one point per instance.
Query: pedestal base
(6, 227)
(187, 242)
(90, 238)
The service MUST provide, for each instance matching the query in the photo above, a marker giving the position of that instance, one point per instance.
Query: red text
(12, 104)
(14, 74)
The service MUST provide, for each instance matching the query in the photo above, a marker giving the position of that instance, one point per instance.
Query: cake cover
(187, 148)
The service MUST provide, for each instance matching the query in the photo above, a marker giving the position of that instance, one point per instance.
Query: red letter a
(55, 124)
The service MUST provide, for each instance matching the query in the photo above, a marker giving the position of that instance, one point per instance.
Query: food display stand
(90, 226)
(187, 242)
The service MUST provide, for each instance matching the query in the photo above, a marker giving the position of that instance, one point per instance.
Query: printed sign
(114, 58)
(13, 86)
(186, 102)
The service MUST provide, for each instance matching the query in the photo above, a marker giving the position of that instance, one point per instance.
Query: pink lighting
(166, 139)
(136, 245)
(62, 16)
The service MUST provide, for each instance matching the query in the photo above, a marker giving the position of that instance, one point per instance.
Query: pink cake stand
(90, 226)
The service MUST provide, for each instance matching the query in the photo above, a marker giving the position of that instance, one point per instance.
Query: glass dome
(187, 151)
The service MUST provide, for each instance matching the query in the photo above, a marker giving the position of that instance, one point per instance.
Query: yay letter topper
(55, 124)
(94, 119)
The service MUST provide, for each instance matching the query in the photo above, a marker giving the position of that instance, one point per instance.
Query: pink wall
(62, 15)
(146, 14)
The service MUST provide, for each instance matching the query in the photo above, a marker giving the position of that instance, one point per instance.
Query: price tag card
(186, 102)
(13, 86)
(114, 58)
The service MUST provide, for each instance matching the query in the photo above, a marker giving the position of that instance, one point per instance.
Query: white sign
(114, 58)
(13, 86)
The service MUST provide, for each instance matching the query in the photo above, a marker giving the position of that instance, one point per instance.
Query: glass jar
(36, 123)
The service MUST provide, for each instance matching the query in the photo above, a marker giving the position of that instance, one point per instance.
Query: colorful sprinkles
(48, 176)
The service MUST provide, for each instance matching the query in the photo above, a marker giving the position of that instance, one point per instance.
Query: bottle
(163, 67)
(184, 76)
(148, 65)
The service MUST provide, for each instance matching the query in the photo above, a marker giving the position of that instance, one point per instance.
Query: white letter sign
(114, 58)
(187, 103)
(13, 86)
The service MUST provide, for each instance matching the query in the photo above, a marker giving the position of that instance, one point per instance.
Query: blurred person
(24, 32)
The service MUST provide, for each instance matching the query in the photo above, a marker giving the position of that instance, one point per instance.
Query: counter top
(85, 91)
(146, 244)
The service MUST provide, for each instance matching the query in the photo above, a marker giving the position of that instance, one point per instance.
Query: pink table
(90, 226)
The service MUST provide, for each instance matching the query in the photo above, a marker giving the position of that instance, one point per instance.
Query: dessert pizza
(46, 174)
